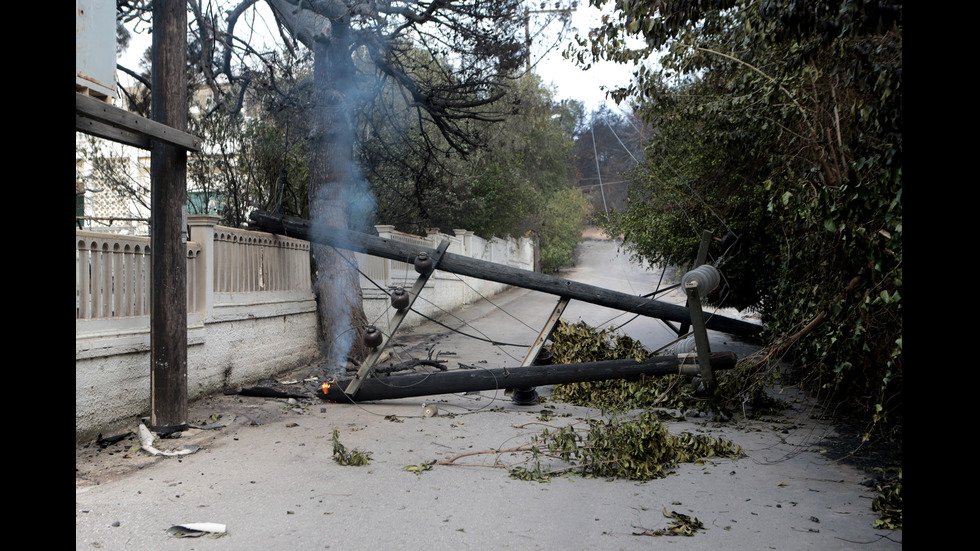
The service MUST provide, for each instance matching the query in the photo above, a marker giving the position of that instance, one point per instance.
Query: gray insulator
(706, 276)
(686, 346)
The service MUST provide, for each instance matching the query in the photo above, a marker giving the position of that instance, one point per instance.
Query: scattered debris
(682, 525)
(105, 442)
(888, 502)
(639, 448)
(196, 529)
(146, 442)
(418, 469)
(265, 392)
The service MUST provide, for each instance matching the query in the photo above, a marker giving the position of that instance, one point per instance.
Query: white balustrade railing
(112, 275)
(403, 270)
(249, 262)
(382, 272)
(112, 272)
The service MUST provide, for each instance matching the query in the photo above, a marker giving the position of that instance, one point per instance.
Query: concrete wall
(112, 373)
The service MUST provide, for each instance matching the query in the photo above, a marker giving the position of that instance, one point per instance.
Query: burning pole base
(475, 380)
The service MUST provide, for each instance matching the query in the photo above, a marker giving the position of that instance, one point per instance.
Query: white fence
(112, 272)
(445, 291)
(251, 310)
(250, 262)
(112, 276)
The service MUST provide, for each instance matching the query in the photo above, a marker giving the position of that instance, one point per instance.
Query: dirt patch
(594, 232)
(882, 450)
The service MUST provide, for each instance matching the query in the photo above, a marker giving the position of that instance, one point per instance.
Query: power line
(595, 153)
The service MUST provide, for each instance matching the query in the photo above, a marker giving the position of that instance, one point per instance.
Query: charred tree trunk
(337, 287)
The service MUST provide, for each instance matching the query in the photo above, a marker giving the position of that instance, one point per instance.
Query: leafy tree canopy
(779, 121)
(500, 167)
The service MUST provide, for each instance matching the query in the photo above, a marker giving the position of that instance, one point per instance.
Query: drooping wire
(724, 256)
(695, 194)
(679, 177)
(485, 338)
(615, 135)
(482, 297)
(380, 380)
(648, 295)
(598, 172)
(464, 322)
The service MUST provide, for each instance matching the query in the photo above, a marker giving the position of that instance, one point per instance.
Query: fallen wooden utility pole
(503, 378)
(490, 271)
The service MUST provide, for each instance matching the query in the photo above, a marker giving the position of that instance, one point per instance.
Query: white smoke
(337, 287)
(347, 201)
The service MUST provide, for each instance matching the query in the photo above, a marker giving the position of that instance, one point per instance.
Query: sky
(570, 81)
(566, 78)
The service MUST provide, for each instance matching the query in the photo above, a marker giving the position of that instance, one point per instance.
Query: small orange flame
(326, 385)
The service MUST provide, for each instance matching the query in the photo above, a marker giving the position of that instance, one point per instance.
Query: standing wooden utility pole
(168, 240)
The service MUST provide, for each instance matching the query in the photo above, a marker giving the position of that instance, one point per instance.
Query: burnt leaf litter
(680, 525)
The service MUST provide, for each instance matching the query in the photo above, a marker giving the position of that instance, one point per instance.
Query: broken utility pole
(504, 378)
(463, 265)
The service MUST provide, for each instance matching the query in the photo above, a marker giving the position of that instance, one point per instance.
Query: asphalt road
(268, 477)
